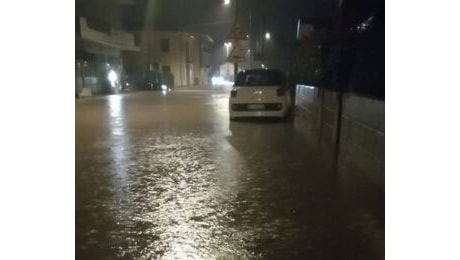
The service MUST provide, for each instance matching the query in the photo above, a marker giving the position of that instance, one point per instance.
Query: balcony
(115, 39)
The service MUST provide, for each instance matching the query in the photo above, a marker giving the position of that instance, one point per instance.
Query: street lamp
(226, 2)
(267, 36)
(228, 45)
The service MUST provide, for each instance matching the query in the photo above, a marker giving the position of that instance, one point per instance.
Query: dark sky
(213, 18)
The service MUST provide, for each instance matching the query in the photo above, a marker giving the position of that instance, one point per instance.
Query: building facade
(99, 43)
(98, 50)
(183, 55)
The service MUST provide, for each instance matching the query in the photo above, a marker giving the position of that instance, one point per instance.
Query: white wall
(176, 57)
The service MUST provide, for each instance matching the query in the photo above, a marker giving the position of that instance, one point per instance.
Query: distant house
(184, 55)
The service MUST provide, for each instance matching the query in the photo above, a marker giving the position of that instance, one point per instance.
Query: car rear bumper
(258, 114)
(269, 111)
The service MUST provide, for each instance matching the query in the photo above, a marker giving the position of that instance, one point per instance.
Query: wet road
(166, 176)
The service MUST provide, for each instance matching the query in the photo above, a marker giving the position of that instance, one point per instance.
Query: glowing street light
(228, 45)
(226, 2)
(267, 36)
(112, 77)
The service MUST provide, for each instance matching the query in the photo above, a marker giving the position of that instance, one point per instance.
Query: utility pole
(260, 40)
(340, 95)
(235, 65)
(251, 51)
(182, 45)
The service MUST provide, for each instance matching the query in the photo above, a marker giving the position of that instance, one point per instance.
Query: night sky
(213, 18)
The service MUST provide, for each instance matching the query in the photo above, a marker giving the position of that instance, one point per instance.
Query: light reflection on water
(171, 192)
(119, 156)
(184, 202)
(117, 137)
(118, 140)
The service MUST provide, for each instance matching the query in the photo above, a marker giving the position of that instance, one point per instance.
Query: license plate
(256, 107)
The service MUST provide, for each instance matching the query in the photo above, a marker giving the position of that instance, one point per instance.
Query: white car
(260, 93)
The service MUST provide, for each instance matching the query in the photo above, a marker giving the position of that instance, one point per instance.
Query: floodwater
(165, 175)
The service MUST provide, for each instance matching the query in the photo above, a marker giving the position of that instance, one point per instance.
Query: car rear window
(260, 78)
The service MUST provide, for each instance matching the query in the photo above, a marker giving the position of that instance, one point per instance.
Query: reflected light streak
(115, 106)
(117, 137)
(119, 159)
(220, 81)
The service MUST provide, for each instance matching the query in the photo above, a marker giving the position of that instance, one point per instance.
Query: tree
(308, 59)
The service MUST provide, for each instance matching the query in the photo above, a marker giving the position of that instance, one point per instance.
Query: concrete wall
(363, 136)
(362, 129)
(317, 112)
(308, 109)
(329, 109)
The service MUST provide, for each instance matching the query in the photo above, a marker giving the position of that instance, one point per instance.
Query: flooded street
(167, 176)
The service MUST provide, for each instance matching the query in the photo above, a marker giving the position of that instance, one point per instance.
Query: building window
(164, 45)
(166, 69)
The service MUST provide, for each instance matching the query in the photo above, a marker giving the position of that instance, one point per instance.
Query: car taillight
(233, 93)
(280, 92)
